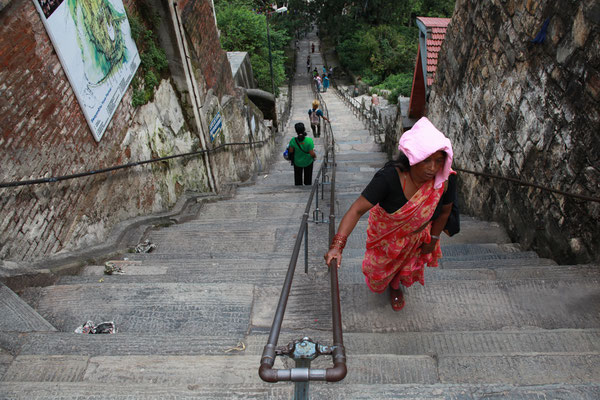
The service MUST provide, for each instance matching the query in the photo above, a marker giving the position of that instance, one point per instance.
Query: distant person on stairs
(325, 83)
(303, 154)
(315, 116)
(410, 200)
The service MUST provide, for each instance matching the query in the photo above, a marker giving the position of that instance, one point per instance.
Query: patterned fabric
(393, 256)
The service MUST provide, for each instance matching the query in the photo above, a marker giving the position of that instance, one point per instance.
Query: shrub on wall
(153, 60)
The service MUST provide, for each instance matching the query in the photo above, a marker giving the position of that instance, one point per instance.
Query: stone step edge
(471, 274)
(18, 343)
(436, 390)
(341, 284)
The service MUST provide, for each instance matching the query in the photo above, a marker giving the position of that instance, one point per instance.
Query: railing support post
(301, 389)
(306, 248)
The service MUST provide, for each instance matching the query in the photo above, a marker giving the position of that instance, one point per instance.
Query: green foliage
(398, 84)
(378, 52)
(377, 39)
(153, 60)
(243, 29)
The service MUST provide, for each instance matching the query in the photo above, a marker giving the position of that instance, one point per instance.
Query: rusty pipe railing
(305, 374)
(339, 356)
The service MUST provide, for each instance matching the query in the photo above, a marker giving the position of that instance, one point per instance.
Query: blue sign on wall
(215, 126)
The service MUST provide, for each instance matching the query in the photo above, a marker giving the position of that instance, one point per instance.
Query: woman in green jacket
(302, 151)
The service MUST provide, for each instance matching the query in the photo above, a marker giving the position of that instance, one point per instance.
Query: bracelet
(435, 237)
(339, 242)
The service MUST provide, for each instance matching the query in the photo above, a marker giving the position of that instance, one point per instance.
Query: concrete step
(318, 390)
(18, 316)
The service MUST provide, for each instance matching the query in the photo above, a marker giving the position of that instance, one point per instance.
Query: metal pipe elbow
(267, 373)
(337, 373)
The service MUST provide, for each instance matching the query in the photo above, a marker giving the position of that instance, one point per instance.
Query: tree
(244, 29)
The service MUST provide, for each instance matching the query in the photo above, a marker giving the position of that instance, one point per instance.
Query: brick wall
(529, 111)
(44, 133)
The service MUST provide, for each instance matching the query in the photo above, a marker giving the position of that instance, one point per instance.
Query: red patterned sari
(393, 255)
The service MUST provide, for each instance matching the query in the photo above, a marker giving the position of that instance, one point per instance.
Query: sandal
(396, 299)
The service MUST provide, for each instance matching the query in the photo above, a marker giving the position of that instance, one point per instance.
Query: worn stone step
(249, 211)
(408, 343)
(272, 272)
(254, 271)
(520, 369)
(523, 258)
(441, 306)
(204, 370)
(124, 343)
(191, 252)
(351, 272)
(284, 391)
(522, 341)
(251, 239)
(205, 309)
(94, 390)
(18, 316)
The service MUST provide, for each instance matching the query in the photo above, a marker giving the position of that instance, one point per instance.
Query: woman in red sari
(409, 200)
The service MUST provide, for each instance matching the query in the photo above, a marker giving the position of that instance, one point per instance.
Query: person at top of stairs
(410, 201)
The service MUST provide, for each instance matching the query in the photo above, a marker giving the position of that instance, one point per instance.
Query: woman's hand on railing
(333, 253)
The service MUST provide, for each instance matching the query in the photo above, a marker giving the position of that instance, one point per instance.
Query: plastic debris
(145, 247)
(110, 268)
(90, 328)
(241, 346)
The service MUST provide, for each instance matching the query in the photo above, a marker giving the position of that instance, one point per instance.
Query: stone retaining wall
(43, 133)
(529, 111)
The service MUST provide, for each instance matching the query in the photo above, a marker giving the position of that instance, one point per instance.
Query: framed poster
(93, 41)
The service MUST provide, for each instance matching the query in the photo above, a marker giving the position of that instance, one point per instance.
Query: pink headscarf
(421, 141)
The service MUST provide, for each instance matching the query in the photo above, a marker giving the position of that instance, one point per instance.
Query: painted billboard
(93, 41)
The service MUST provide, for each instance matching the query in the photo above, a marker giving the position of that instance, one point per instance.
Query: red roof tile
(436, 31)
(431, 22)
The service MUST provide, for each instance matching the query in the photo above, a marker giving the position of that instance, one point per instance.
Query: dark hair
(401, 162)
(300, 129)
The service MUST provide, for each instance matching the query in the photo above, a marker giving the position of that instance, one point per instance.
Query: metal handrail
(304, 374)
(123, 166)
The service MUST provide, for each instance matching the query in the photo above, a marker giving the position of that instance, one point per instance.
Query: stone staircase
(492, 322)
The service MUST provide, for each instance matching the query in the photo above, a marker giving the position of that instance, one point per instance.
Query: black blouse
(385, 189)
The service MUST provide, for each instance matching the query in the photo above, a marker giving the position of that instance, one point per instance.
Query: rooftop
(436, 31)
